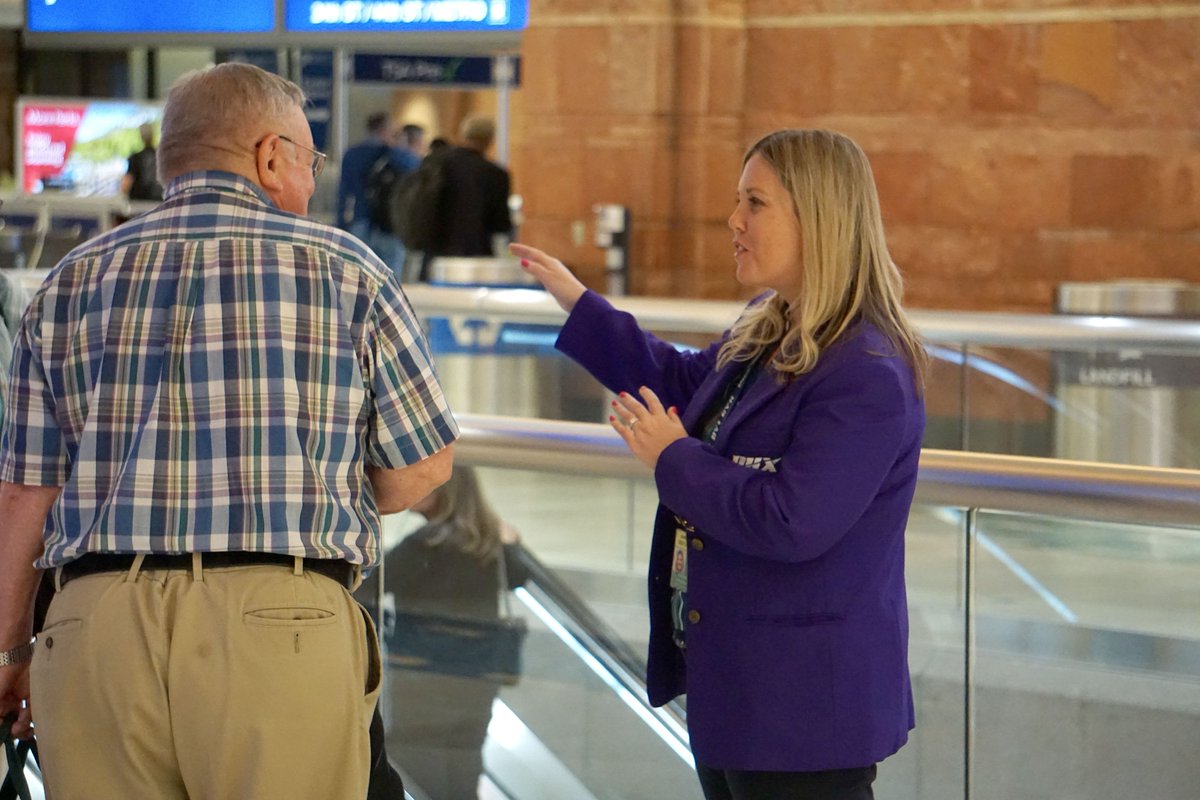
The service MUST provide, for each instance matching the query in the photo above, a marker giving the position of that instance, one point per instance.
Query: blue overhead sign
(316, 79)
(159, 16)
(406, 15)
(441, 70)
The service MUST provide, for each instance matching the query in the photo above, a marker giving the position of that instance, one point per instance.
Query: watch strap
(17, 655)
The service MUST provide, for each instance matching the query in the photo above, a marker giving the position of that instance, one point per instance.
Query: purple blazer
(798, 658)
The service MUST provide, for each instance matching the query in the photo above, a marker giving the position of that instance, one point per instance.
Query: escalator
(577, 723)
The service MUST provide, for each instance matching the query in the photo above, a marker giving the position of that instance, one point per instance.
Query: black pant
(834, 784)
(385, 783)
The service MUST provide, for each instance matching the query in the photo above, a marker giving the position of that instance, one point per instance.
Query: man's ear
(268, 161)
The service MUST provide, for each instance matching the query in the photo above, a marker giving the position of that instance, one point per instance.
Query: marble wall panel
(1002, 70)
(1016, 143)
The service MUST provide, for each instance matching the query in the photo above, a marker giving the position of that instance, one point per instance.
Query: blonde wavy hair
(465, 517)
(848, 273)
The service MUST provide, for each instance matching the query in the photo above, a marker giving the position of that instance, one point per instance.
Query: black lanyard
(732, 394)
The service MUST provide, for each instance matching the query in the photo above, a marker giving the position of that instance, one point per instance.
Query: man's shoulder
(365, 146)
(343, 246)
(226, 215)
(406, 160)
(468, 160)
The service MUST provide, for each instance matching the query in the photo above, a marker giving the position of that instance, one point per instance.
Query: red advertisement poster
(49, 136)
(80, 147)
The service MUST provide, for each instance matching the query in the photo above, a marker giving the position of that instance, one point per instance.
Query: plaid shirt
(216, 375)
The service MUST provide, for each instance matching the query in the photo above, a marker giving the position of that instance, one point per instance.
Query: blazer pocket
(795, 620)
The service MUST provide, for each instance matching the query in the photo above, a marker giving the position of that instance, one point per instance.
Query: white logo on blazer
(758, 462)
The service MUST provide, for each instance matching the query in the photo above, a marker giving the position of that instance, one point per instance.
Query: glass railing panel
(945, 394)
(1012, 615)
(930, 765)
(577, 521)
(493, 365)
(595, 729)
(1094, 388)
(516, 379)
(1111, 405)
(1008, 401)
(1086, 680)
(568, 729)
(593, 531)
(1128, 406)
(562, 732)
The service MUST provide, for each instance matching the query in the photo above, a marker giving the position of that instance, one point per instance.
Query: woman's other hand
(646, 428)
(509, 534)
(564, 287)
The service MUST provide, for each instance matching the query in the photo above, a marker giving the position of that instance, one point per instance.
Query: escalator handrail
(1024, 331)
(970, 328)
(1019, 484)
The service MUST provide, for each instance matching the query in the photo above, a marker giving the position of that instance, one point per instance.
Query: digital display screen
(150, 16)
(79, 147)
(407, 15)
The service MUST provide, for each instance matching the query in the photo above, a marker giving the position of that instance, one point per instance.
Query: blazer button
(693, 616)
(697, 544)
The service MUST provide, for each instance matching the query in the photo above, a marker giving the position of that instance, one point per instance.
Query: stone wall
(1017, 143)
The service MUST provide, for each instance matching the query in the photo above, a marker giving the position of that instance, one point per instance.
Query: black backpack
(415, 203)
(381, 185)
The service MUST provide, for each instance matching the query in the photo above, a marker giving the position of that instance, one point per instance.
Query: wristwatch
(18, 655)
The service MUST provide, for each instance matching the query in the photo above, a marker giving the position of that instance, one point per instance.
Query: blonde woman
(786, 458)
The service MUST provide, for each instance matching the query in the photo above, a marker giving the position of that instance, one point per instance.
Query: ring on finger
(632, 422)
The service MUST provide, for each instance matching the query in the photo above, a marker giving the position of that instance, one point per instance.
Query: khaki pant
(235, 682)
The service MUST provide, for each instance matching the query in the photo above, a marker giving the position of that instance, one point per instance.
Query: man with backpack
(369, 171)
(468, 213)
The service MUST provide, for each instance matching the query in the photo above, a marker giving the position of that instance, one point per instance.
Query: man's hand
(14, 699)
(23, 510)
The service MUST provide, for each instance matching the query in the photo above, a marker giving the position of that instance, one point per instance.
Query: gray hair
(479, 131)
(211, 110)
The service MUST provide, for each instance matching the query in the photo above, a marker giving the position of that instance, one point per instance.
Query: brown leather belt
(95, 563)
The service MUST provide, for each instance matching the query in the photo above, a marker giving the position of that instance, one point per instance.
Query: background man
(211, 406)
(140, 181)
(367, 170)
(473, 207)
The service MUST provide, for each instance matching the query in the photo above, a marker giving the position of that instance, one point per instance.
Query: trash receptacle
(493, 366)
(1129, 406)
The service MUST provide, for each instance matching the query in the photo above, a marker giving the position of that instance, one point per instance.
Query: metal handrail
(1015, 484)
(1031, 331)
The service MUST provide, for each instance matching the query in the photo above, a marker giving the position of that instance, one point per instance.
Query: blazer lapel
(759, 394)
(764, 389)
(705, 394)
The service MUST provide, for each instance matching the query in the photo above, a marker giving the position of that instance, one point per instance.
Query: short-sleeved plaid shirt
(216, 375)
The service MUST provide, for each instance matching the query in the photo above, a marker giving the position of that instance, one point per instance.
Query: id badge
(679, 561)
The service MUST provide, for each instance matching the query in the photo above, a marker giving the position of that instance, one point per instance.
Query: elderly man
(210, 408)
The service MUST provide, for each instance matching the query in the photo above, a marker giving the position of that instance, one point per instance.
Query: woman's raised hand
(563, 286)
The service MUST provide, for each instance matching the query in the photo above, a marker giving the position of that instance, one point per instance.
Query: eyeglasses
(318, 161)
